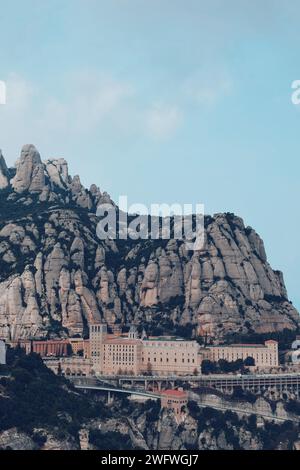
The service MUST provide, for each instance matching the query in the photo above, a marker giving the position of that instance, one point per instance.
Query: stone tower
(133, 333)
(98, 334)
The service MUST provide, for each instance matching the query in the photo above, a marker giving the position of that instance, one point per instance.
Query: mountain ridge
(57, 277)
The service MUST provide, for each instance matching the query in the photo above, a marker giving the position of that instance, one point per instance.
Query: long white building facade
(130, 355)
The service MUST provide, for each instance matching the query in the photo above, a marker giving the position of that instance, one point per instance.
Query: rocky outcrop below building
(56, 276)
(145, 426)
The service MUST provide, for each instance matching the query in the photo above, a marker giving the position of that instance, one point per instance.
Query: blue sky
(166, 101)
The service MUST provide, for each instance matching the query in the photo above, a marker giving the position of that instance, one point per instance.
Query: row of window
(171, 345)
(119, 357)
(118, 363)
(167, 360)
(182, 402)
(166, 353)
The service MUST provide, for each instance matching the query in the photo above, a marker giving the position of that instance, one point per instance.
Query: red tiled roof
(175, 393)
(50, 341)
(122, 341)
(244, 345)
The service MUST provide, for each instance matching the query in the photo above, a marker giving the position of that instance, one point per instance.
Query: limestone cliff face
(30, 171)
(211, 430)
(56, 277)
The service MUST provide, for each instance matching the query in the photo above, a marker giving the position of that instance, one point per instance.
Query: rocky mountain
(56, 276)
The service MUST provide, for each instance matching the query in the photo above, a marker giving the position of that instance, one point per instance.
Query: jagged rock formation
(30, 171)
(4, 175)
(56, 276)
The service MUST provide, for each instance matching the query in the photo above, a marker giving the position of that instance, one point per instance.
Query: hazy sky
(165, 101)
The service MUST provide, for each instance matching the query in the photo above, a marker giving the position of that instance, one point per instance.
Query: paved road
(79, 384)
(155, 396)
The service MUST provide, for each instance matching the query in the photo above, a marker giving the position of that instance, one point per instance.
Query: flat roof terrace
(238, 346)
(166, 338)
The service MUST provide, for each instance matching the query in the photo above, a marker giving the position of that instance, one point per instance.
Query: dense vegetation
(32, 396)
(223, 366)
(110, 440)
(284, 338)
(293, 406)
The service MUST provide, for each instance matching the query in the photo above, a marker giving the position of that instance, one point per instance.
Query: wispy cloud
(92, 103)
(208, 86)
(19, 94)
(163, 120)
(91, 99)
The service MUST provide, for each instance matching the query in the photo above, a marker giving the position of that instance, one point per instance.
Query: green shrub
(110, 440)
